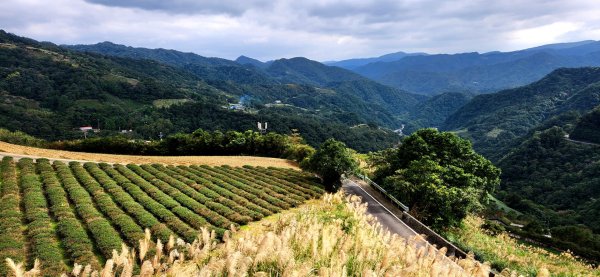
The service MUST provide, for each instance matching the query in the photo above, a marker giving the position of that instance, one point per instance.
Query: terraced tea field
(63, 214)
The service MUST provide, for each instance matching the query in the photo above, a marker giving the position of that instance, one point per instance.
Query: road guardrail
(385, 193)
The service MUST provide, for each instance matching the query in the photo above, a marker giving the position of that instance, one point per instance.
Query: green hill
(493, 121)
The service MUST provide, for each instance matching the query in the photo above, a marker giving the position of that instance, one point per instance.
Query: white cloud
(317, 29)
(545, 34)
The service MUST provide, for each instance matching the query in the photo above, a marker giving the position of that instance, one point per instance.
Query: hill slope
(492, 121)
(16, 151)
(554, 181)
(434, 111)
(588, 128)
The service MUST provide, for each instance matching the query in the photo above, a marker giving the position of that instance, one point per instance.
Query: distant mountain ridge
(475, 72)
(354, 63)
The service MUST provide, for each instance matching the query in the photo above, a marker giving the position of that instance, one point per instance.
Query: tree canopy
(331, 160)
(438, 175)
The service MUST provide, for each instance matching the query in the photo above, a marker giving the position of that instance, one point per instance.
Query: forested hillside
(50, 92)
(555, 182)
(494, 121)
(588, 128)
(434, 111)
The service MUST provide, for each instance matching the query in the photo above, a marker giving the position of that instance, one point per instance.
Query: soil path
(19, 151)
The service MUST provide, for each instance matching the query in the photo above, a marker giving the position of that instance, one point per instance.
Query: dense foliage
(493, 121)
(438, 175)
(331, 161)
(555, 183)
(588, 127)
(435, 110)
(199, 143)
(74, 213)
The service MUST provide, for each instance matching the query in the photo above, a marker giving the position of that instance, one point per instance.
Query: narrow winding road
(383, 214)
(582, 142)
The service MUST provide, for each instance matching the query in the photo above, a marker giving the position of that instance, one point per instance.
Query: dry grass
(31, 152)
(527, 260)
(332, 237)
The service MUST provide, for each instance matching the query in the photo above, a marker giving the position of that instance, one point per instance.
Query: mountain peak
(355, 63)
(244, 60)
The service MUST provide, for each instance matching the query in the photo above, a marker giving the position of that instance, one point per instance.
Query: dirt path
(18, 151)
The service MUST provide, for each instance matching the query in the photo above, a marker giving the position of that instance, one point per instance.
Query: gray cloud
(318, 29)
(231, 7)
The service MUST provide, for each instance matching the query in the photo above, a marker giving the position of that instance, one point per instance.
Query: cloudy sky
(317, 29)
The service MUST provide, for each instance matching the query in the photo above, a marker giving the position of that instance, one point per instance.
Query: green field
(63, 214)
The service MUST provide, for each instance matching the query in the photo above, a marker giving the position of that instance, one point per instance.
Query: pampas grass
(331, 237)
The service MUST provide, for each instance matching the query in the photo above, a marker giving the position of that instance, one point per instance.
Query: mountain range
(355, 63)
(474, 72)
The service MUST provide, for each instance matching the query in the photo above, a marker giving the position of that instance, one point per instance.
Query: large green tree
(331, 160)
(439, 176)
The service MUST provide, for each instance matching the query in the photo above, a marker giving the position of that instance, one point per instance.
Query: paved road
(379, 211)
(386, 217)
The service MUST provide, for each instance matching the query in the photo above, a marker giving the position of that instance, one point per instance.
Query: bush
(299, 152)
(21, 138)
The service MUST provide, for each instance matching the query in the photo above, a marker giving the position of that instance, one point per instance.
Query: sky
(322, 30)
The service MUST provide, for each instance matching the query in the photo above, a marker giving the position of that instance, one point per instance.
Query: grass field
(65, 213)
(125, 159)
(501, 205)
